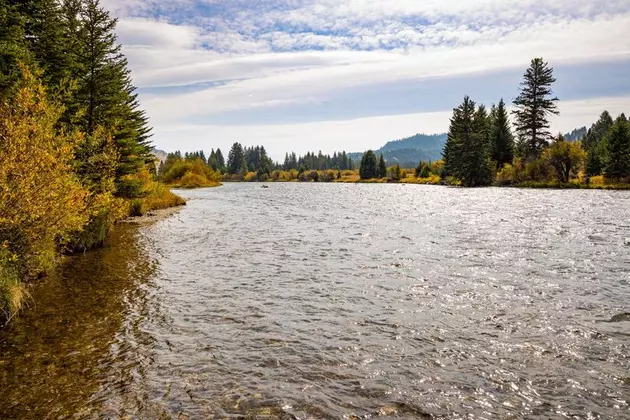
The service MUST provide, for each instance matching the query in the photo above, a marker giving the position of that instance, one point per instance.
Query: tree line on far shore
(253, 163)
(482, 148)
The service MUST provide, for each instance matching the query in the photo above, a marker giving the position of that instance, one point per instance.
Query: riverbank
(352, 177)
(195, 184)
(158, 203)
(153, 216)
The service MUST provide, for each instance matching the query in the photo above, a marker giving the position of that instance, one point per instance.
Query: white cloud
(142, 32)
(280, 52)
(313, 76)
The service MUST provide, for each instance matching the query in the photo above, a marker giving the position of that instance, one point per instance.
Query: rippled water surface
(338, 301)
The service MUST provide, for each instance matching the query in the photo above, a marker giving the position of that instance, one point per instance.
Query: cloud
(314, 76)
(197, 60)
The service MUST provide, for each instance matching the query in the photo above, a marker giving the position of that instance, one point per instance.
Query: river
(338, 301)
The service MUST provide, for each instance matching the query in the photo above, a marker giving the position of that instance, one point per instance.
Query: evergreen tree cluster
(369, 167)
(607, 144)
(320, 162)
(216, 160)
(242, 160)
(481, 144)
(72, 45)
(372, 167)
(469, 147)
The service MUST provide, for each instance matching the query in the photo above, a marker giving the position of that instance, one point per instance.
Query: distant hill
(159, 154)
(410, 150)
(419, 141)
(576, 135)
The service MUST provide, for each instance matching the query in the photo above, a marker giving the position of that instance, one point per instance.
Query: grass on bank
(158, 197)
(510, 176)
(12, 292)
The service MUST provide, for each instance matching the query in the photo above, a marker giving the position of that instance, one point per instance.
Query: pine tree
(105, 96)
(595, 146)
(382, 167)
(533, 106)
(220, 160)
(45, 36)
(597, 131)
(235, 159)
(618, 146)
(212, 160)
(467, 150)
(501, 138)
(460, 130)
(287, 162)
(13, 48)
(369, 166)
(477, 163)
(243, 169)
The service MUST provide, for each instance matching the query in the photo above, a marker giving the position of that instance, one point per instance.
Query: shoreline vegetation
(74, 144)
(353, 177)
(481, 149)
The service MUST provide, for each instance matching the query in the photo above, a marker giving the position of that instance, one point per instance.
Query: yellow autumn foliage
(41, 200)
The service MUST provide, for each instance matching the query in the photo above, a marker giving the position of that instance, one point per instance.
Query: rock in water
(625, 316)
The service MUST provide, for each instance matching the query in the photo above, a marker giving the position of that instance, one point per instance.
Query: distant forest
(483, 146)
(407, 152)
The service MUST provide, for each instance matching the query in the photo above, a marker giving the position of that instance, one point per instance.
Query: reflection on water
(333, 301)
(55, 357)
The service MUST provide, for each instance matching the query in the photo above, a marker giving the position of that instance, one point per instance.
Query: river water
(338, 301)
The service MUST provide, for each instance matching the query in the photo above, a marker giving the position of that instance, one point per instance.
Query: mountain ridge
(408, 151)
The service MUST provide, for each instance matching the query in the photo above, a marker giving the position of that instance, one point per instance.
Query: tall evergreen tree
(105, 96)
(594, 144)
(477, 163)
(501, 138)
(13, 48)
(533, 106)
(287, 162)
(459, 130)
(618, 145)
(45, 36)
(369, 166)
(220, 160)
(382, 167)
(212, 160)
(243, 169)
(235, 159)
(597, 131)
(467, 150)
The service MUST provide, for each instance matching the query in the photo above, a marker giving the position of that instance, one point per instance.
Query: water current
(338, 301)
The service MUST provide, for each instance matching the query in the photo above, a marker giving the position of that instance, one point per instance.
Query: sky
(331, 75)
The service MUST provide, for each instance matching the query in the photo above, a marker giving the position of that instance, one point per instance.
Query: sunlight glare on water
(338, 301)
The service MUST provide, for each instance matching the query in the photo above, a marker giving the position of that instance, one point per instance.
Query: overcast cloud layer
(352, 74)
